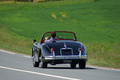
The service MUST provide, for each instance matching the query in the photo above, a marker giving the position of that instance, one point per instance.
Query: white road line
(104, 68)
(7, 51)
(31, 72)
(27, 56)
(14, 53)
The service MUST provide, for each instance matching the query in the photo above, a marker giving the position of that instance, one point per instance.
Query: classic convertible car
(65, 49)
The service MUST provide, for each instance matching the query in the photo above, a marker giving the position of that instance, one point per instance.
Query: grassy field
(95, 22)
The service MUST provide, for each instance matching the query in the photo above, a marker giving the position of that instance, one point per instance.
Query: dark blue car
(64, 50)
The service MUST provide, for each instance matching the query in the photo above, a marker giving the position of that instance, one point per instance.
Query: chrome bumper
(65, 57)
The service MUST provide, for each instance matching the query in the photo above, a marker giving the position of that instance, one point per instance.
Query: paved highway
(15, 66)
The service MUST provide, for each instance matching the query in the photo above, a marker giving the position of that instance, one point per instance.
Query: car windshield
(61, 35)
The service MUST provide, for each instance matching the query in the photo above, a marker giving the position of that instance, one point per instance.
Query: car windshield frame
(59, 37)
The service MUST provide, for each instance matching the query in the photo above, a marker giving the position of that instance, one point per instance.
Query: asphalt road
(15, 66)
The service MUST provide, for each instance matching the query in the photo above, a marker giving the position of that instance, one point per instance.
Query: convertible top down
(65, 49)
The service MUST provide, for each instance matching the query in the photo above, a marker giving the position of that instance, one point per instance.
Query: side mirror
(34, 40)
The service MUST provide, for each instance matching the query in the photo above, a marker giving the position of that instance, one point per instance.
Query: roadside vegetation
(95, 22)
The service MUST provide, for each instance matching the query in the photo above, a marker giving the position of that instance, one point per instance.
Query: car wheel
(43, 64)
(72, 65)
(34, 57)
(82, 64)
(35, 64)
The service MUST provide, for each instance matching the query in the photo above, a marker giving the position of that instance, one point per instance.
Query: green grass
(95, 22)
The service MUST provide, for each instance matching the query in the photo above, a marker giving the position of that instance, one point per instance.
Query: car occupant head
(53, 34)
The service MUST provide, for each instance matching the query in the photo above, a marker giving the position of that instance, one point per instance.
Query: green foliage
(96, 23)
(104, 54)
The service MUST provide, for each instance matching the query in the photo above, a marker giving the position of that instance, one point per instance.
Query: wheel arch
(84, 52)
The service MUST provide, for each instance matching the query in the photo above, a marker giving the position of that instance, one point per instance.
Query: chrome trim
(83, 56)
(53, 54)
(79, 54)
(65, 57)
(65, 49)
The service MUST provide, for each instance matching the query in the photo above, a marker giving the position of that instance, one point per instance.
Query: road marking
(27, 56)
(14, 53)
(31, 72)
(7, 51)
(104, 68)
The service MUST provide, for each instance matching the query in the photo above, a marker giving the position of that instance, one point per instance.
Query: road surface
(14, 66)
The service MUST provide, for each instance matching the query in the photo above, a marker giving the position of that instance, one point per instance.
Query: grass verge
(96, 23)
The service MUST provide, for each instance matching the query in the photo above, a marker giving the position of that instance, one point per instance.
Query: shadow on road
(87, 68)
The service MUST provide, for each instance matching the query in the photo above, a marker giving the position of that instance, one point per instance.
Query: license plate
(67, 61)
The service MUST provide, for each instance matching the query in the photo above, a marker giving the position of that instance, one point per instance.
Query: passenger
(47, 38)
(53, 35)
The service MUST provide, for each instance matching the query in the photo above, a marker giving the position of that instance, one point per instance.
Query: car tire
(35, 64)
(43, 64)
(82, 64)
(72, 65)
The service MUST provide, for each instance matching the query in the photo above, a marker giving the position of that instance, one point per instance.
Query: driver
(53, 35)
